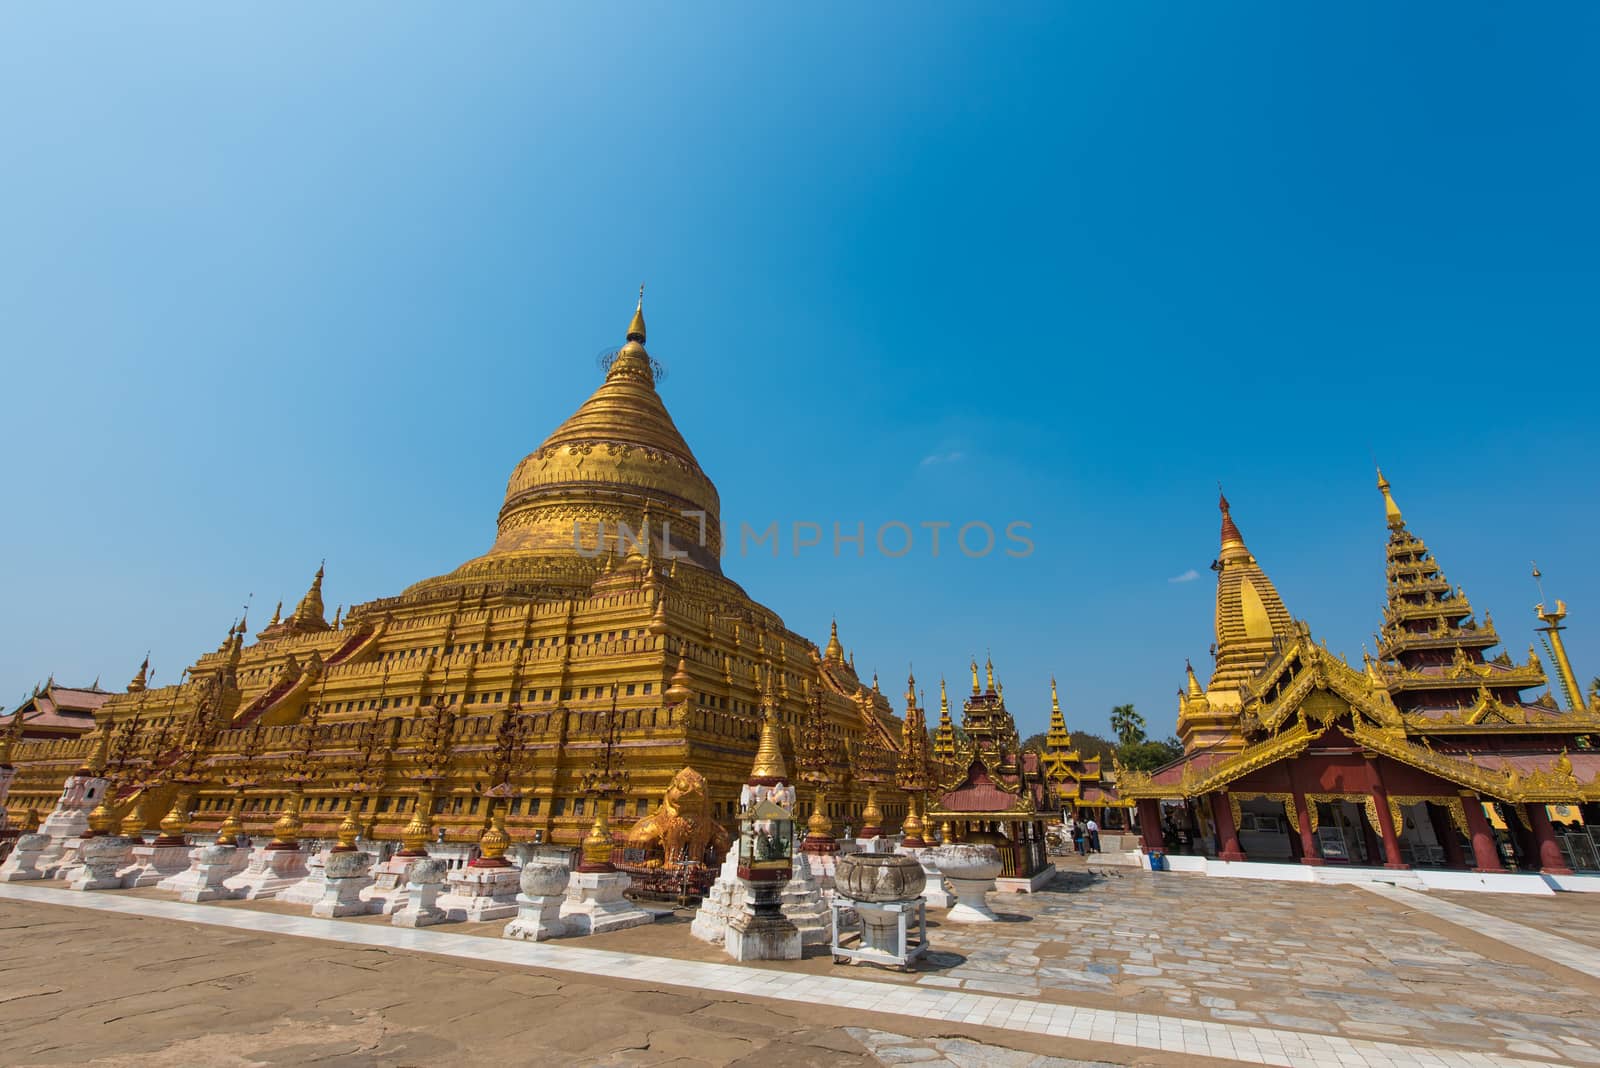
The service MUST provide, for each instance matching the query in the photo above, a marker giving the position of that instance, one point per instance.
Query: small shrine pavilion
(995, 793)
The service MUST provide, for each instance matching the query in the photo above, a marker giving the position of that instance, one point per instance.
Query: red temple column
(1308, 838)
(1551, 862)
(1484, 851)
(1391, 840)
(1150, 823)
(1227, 833)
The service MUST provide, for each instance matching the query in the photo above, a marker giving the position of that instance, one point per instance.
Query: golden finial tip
(636, 325)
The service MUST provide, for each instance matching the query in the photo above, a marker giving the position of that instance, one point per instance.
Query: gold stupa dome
(616, 459)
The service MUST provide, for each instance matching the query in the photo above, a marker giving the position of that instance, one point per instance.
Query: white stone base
(476, 894)
(209, 867)
(748, 940)
(308, 891)
(156, 863)
(104, 860)
(420, 909)
(341, 897)
(390, 881)
(269, 873)
(24, 862)
(720, 903)
(595, 903)
(971, 904)
(804, 907)
(538, 918)
(1031, 885)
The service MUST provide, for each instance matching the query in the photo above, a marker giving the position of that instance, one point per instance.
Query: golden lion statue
(682, 827)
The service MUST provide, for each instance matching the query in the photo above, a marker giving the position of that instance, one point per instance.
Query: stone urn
(875, 877)
(350, 865)
(971, 871)
(544, 878)
(427, 872)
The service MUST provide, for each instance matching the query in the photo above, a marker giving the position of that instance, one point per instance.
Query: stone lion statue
(682, 826)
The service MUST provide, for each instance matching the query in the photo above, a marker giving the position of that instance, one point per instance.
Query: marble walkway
(1551, 947)
(1198, 1038)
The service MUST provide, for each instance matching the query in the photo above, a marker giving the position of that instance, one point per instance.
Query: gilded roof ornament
(1391, 511)
(140, 680)
(769, 757)
(834, 651)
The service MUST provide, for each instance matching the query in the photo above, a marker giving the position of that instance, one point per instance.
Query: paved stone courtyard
(1115, 966)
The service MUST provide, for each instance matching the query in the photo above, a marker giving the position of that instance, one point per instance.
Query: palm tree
(1127, 725)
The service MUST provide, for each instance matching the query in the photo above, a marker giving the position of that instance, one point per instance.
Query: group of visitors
(1085, 836)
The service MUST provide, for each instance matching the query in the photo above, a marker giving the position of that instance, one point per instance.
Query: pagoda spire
(636, 325)
(1250, 619)
(1429, 624)
(834, 651)
(1058, 737)
(1391, 511)
(309, 613)
(988, 666)
(769, 765)
(944, 736)
(139, 681)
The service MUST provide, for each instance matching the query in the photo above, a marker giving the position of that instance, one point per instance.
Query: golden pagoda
(599, 611)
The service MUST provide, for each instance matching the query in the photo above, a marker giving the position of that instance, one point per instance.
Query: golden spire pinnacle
(769, 757)
(1055, 702)
(1230, 532)
(911, 689)
(277, 615)
(875, 689)
(988, 665)
(1194, 683)
(636, 326)
(309, 612)
(834, 651)
(679, 689)
(976, 688)
(337, 612)
(1391, 511)
(944, 702)
(142, 678)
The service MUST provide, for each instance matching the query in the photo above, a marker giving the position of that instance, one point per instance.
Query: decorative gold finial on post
(232, 826)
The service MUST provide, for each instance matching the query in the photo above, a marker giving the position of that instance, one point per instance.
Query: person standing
(1093, 830)
(1077, 837)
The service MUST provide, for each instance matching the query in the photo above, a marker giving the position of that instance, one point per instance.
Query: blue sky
(286, 282)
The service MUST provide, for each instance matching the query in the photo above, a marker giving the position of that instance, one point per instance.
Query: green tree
(1127, 725)
(1149, 754)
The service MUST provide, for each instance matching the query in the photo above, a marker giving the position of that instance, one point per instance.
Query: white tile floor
(1551, 947)
(1255, 1045)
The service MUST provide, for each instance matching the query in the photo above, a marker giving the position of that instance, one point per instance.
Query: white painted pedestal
(269, 873)
(23, 863)
(477, 894)
(209, 866)
(345, 876)
(156, 863)
(595, 903)
(104, 860)
(422, 893)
